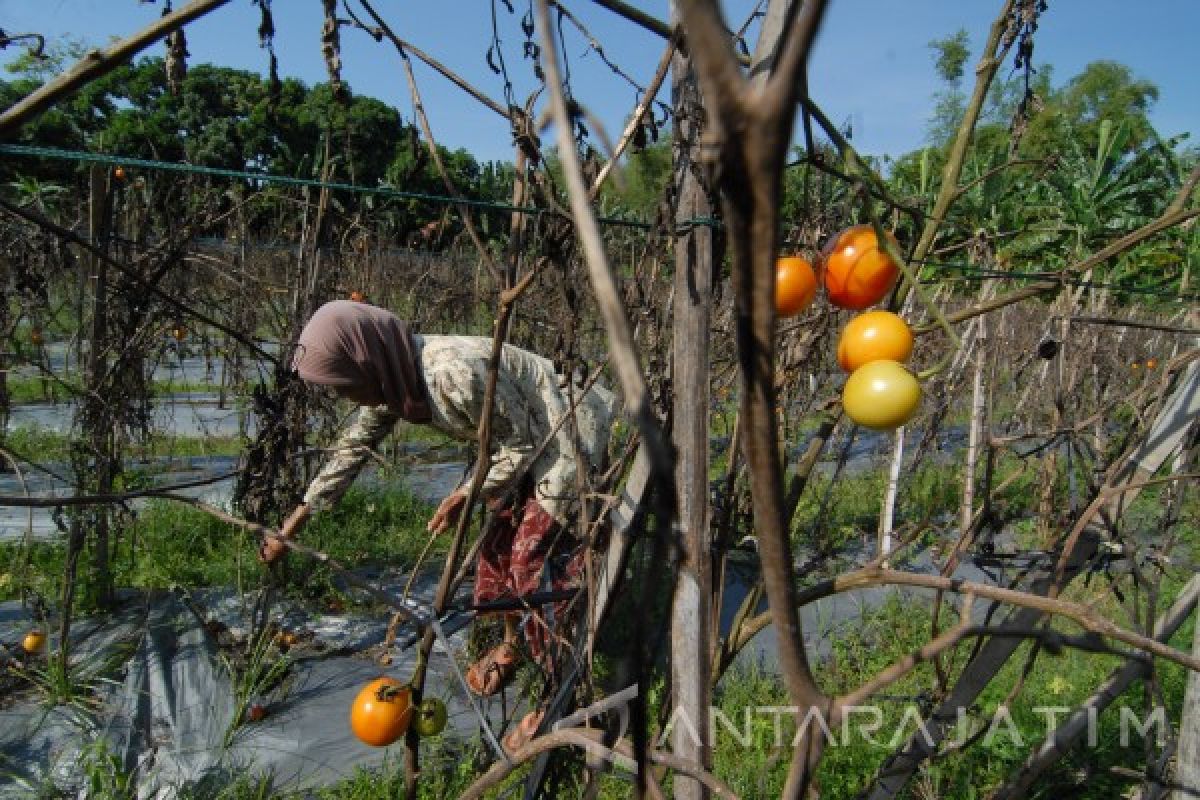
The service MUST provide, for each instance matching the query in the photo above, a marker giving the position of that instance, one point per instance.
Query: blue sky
(872, 65)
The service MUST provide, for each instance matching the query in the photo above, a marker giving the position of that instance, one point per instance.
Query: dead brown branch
(407, 47)
(590, 740)
(1085, 616)
(99, 62)
(1060, 740)
(1169, 220)
(748, 135)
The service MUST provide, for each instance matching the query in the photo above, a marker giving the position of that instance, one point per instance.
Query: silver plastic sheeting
(166, 711)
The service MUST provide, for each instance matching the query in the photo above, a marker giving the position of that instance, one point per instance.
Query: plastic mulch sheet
(160, 700)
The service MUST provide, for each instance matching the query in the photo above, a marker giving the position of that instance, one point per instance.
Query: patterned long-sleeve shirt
(530, 400)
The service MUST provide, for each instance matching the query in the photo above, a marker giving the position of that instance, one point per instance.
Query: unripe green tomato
(431, 717)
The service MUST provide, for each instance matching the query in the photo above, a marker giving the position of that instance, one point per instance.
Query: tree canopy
(233, 119)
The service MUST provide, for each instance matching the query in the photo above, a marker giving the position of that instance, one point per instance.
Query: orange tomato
(856, 271)
(34, 642)
(795, 285)
(35, 337)
(179, 332)
(119, 173)
(1151, 363)
(381, 712)
(874, 336)
(358, 296)
(881, 395)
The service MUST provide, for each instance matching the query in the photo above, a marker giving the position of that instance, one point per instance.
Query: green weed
(170, 544)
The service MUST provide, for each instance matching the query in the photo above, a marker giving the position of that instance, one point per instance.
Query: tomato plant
(431, 717)
(795, 285)
(881, 395)
(856, 271)
(874, 336)
(381, 712)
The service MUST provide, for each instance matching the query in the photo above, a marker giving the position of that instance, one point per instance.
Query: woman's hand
(272, 548)
(447, 512)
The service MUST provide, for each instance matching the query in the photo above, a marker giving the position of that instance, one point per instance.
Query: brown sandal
(494, 671)
(520, 735)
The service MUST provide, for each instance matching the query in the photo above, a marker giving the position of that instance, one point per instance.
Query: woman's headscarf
(348, 343)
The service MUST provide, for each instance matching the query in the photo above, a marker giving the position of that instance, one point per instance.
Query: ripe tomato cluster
(383, 709)
(857, 273)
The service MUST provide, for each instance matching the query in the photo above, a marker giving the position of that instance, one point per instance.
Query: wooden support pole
(691, 623)
(99, 426)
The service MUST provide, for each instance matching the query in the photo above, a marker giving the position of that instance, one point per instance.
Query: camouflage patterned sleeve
(507, 461)
(349, 454)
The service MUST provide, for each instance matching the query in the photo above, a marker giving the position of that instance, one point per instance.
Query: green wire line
(35, 151)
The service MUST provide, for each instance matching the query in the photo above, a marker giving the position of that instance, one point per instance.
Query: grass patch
(38, 389)
(759, 768)
(41, 445)
(170, 544)
(834, 513)
(35, 389)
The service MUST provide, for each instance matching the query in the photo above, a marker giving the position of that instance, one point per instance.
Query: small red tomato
(795, 285)
(857, 272)
(257, 712)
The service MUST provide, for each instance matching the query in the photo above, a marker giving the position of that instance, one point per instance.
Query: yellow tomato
(34, 642)
(874, 336)
(881, 395)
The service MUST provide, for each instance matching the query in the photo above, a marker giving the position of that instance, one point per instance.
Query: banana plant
(1089, 200)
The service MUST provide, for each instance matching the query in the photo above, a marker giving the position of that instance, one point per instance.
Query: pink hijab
(347, 343)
